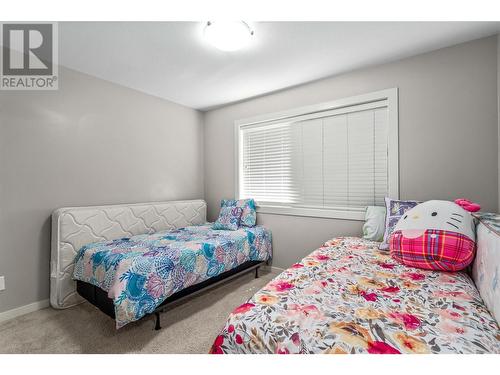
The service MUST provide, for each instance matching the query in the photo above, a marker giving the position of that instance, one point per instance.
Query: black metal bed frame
(99, 298)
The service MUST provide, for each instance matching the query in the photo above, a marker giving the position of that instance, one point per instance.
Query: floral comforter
(140, 272)
(350, 297)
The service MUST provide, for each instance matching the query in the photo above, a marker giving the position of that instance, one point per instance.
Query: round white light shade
(228, 35)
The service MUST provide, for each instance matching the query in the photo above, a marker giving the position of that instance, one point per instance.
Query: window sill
(358, 215)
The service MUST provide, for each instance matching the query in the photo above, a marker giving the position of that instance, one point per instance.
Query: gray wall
(91, 142)
(447, 134)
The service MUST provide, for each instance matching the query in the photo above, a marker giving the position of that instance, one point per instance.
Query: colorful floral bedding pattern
(350, 297)
(140, 272)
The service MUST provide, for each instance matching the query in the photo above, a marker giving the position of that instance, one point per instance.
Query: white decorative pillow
(374, 226)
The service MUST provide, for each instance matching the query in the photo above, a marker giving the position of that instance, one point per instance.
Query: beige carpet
(189, 327)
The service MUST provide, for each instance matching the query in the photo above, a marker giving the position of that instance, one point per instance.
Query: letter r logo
(27, 49)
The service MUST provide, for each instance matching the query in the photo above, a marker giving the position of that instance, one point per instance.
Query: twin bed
(345, 297)
(132, 260)
(350, 297)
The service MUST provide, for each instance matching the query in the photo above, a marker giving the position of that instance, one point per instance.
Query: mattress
(350, 297)
(141, 271)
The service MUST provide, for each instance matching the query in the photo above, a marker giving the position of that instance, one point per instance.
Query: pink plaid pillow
(434, 250)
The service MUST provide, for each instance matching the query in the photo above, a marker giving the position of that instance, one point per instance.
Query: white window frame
(391, 98)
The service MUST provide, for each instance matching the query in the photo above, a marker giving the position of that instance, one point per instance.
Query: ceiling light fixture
(228, 35)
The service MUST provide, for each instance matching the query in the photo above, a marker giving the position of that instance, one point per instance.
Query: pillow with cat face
(434, 235)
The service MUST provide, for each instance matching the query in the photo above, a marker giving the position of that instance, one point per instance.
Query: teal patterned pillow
(249, 215)
(229, 218)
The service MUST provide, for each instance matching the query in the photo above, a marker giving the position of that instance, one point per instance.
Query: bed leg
(157, 323)
(257, 272)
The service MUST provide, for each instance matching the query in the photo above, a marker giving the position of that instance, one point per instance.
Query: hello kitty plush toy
(436, 235)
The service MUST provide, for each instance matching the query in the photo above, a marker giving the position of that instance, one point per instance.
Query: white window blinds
(336, 159)
(268, 168)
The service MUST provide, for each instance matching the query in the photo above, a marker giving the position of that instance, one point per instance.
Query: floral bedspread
(140, 272)
(350, 297)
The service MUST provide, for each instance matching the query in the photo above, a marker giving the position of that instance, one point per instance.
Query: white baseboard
(273, 268)
(14, 313)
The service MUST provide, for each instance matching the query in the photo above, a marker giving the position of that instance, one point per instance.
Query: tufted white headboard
(73, 227)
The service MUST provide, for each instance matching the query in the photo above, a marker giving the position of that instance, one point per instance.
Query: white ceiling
(171, 60)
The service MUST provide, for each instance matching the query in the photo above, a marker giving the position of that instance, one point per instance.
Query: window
(328, 160)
